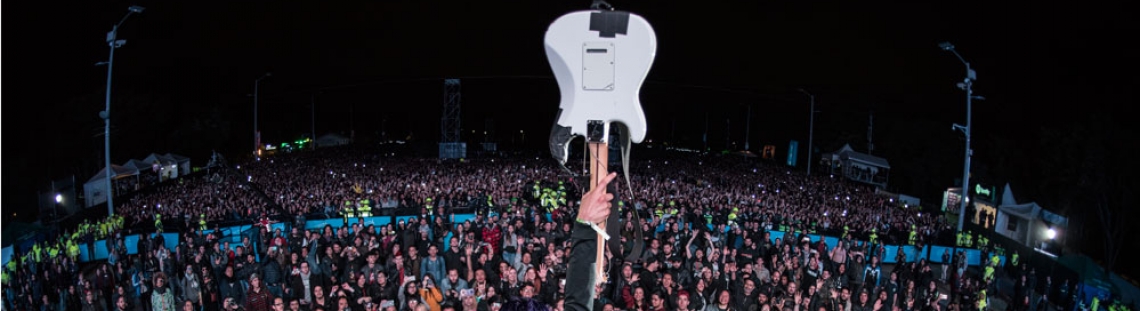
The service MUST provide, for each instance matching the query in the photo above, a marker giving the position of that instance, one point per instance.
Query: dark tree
(1086, 172)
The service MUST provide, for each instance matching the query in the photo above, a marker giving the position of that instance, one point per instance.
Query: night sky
(183, 81)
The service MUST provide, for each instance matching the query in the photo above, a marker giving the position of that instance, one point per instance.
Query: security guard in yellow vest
(36, 252)
(969, 238)
(537, 191)
(982, 300)
(960, 241)
(544, 200)
(1013, 259)
(1095, 304)
(874, 237)
(365, 208)
(846, 231)
(913, 235)
(73, 250)
(158, 223)
(347, 211)
(202, 223)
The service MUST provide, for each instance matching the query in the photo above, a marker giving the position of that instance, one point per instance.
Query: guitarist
(595, 208)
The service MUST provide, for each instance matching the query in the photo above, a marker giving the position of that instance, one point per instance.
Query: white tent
(332, 139)
(96, 187)
(166, 167)
(181, 162)
(137, 165)
(1026, 222)
(1018, 222)
(858, 166)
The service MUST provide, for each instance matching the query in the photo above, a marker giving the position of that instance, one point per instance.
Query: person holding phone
(409, 291)
(430, 294)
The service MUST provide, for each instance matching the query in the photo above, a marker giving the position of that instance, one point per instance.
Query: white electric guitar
(600, 59)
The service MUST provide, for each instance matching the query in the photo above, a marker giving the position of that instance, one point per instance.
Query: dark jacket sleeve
(580, 270)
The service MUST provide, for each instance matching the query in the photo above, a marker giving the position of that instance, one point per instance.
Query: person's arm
(470, 272)
(433, 294)
(314, 264)
(400, 294)
(689, 251)
(519, 242)
(580, 272)
(425, 266)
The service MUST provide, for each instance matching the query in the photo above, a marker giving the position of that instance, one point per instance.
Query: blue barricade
(233, 234)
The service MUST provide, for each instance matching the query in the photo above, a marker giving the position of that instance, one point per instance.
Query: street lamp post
(113, 42)
(811, 128)
(966, 85)
(256, 132)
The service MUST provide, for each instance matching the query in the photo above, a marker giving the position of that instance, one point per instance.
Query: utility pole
(747, 127)
(870, 133)
(811, 129)
(313, 122)
(966, 85)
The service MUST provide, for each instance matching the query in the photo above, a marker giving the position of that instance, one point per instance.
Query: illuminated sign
(951, 199)
(793, 147)
(987, 193)
(982, 191)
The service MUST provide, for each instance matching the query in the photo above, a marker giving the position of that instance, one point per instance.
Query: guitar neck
(599, 156)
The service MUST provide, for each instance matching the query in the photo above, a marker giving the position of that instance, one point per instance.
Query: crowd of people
(217, 196)
(706, 221)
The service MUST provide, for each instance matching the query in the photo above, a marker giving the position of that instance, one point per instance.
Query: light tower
(450, 146)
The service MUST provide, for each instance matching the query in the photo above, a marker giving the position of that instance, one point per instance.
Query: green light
(982, 191)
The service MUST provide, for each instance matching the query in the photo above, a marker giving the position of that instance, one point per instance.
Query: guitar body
(600, 60)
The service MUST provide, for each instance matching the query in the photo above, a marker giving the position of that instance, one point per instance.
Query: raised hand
(596, 203)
